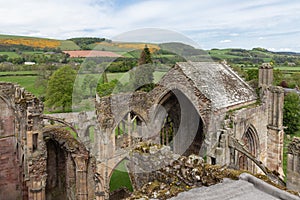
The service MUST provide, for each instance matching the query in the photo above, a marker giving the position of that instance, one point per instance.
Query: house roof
(243, 189)
(218, 82)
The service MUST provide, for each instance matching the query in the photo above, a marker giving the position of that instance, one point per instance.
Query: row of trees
(61, 82)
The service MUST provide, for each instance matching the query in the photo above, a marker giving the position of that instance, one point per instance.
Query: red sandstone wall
(10, 188)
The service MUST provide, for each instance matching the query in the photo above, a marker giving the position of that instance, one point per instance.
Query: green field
(120, 178)
(17, 72)
(28, 82)
(68, 45)
(10, 54)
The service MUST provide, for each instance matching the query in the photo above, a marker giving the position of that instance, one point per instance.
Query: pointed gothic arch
(251, 142)
(179, 123)
(129, 128)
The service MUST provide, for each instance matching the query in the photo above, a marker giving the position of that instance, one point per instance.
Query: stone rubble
(161, 174)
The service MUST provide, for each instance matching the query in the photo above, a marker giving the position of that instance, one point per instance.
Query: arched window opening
(128, 130)
(167, 132)
(120, 180)
(56, 186)
(90, 133)
(181, 124)
(250, 141)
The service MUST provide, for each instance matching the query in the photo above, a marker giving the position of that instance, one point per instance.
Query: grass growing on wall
(120, 178)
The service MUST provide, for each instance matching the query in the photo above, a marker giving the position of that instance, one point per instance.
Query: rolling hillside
(10, 44)
(35, 42)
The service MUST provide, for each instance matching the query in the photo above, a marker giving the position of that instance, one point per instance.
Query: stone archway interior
(182, 127)
(61, 179)
(119, 180)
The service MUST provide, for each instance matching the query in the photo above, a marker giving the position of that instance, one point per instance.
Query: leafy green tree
(291, 113)
(145, 57)
(60, 88)
(278, 77)
(141, 77)
(90, 83)
(296, 79)
(105, 89)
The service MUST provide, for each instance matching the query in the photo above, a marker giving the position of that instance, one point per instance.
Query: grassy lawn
(17, 72)
(28, 82)
(10, 54)
(120, 178)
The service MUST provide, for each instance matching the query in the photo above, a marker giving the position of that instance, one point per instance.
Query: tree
(89, 82)
(291, 113)
(105, 89)
(142, 76)
(145, 57)
(60, 88)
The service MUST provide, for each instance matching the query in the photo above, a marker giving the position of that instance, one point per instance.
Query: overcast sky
(272, 24)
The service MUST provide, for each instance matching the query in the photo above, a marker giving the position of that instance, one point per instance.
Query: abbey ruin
(197, 108)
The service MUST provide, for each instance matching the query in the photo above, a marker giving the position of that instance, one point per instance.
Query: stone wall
(293, 165)
(10, 183)
(32, 167)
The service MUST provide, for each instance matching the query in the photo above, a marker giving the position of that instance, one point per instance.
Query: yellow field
(33, 42)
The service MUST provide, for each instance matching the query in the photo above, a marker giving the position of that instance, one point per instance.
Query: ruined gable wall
(176, 79)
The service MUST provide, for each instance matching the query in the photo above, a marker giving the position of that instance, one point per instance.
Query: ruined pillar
(275, 128)
(293, 165)
(265, 75)
(81, 176)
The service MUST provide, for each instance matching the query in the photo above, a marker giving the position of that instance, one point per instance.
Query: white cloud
(234, 34)
(225, 41)
(207, 22)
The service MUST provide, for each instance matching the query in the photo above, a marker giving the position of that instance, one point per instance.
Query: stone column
(37, 190)
(81, 177)
(265, 77)
(275, 129)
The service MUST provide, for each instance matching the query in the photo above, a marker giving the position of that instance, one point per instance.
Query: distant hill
(255, 56)
(241, 57)
(10, 42)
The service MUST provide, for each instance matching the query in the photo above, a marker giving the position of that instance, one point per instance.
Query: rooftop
(219, 83)
(237, 190)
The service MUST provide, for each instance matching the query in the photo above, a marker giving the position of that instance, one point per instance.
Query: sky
(271, 24)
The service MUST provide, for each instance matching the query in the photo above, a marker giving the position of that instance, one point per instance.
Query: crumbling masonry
(197, 108)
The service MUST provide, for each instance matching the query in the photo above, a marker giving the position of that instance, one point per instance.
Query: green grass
(10, 54)
(103, 47)
(288, 68)
(17, 72)
(120, 178)
(28, 82)
(68, 45)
